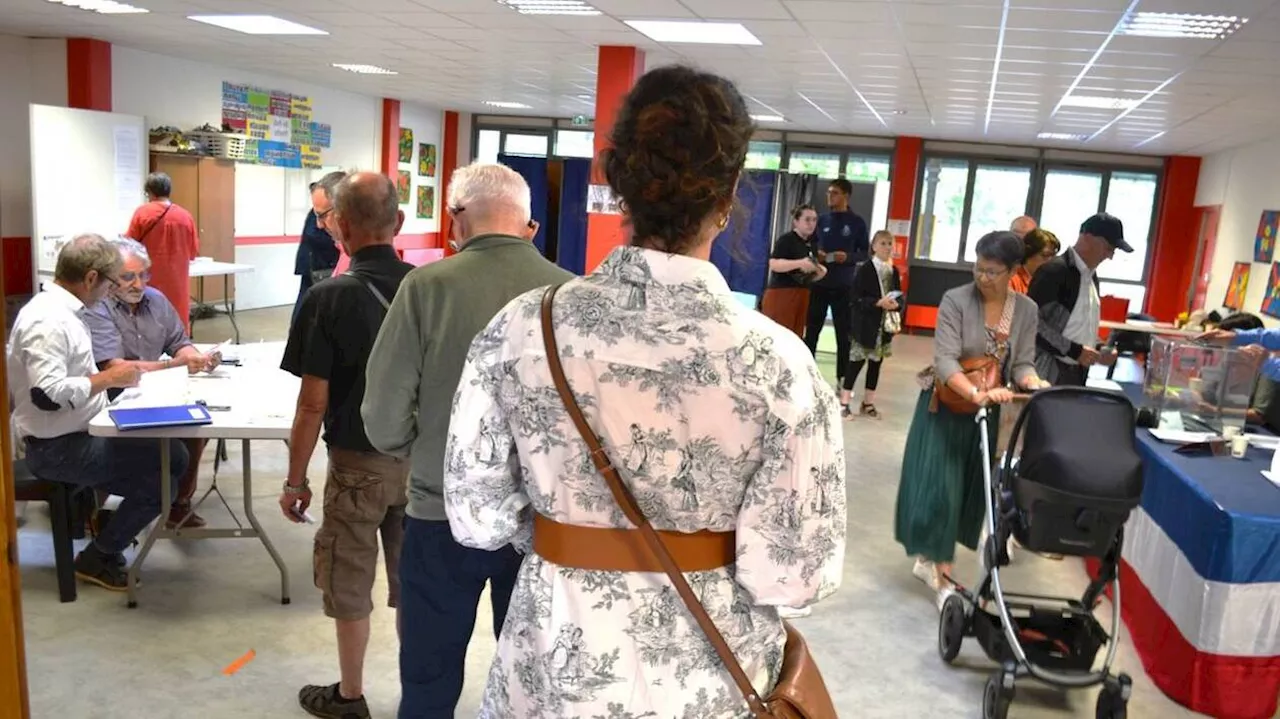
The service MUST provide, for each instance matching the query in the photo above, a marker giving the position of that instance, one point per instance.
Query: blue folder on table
(149, 417)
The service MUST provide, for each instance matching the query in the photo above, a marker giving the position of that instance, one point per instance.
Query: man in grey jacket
(412, 376)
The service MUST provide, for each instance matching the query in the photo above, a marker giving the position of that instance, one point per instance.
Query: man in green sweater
(411, 379)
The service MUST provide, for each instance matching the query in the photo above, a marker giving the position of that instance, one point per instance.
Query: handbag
(983, 371)
(892, 323)
(800, 692)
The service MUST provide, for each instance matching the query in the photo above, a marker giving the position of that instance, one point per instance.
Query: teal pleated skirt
(940, 494)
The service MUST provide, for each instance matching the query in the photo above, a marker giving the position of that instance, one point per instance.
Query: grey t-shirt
(120, 333)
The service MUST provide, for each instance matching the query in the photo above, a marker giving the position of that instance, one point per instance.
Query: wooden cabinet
(206, 187)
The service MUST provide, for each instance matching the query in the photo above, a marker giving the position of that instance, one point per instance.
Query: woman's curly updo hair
(677, 147)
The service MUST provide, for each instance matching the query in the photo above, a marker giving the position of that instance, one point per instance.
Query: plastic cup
(1239, 446)
(1230, 432)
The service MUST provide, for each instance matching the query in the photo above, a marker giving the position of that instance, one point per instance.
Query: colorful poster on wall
(406, 145)
(426, 160)
(1264, 243)
(279, 126)
(402, 186)
(1271, 302)
(426, 202)
(1238, 286)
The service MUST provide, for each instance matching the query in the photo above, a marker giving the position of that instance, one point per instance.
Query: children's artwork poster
(1264, 244)
(426, 202)
(1271, 303)
(406, 145)
(601, 200)
(426, 160)
(1238, 286)
(281, 130)
(402, 186)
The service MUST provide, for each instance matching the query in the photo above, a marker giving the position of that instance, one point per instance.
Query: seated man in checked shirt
(57, 391)
(137, 324)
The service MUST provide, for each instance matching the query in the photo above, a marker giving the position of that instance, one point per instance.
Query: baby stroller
(1069, 492)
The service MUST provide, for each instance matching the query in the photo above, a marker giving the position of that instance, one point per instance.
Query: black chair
(68, 523)
(1132, 344)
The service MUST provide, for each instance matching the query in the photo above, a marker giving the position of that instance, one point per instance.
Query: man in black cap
(1066, 289)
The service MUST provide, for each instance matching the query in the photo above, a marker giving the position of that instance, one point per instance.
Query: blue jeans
(440, 586)
(129, 468)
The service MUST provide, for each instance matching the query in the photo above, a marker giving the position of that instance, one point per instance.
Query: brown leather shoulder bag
(800, 692)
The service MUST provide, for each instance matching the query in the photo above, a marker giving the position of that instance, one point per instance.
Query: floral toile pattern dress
(717, 419)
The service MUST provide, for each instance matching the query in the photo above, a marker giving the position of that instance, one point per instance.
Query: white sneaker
(793, 613)
(942, 596)
(926, 572)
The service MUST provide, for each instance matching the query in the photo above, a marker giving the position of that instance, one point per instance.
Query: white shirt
(50, 350)
(1082, 325)
(716, 417)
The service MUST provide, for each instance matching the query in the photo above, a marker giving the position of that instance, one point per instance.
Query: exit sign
(581, 120)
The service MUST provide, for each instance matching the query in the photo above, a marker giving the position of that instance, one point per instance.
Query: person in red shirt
(169, 234)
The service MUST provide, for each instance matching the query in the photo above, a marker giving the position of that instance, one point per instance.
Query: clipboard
(150, 417)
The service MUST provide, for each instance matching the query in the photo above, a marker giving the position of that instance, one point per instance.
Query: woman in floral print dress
(716, 417)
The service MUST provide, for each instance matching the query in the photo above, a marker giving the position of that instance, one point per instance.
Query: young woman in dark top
(792, 267)
(876, 319)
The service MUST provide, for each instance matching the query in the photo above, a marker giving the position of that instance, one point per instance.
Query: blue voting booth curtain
(534, 172)
(741, 252)
(572, 251)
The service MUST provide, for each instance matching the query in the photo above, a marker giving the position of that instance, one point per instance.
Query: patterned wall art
(406, 145)
(1264, 243)
(426, 160)
(1271, 303)
(1238, 286)
(402, 186)
(426, 202)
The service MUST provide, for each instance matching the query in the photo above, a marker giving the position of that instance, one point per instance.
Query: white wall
(1244, 181)
(270, 201)
(35, 71)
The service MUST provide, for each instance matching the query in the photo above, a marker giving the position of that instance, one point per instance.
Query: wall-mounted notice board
(279, 125)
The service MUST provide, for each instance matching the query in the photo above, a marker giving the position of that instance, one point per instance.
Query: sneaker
(793, 613)
(328, 703)
(105, 570)
(926, 572)
(180, 511)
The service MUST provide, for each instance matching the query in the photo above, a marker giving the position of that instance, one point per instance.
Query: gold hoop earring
(724, 222)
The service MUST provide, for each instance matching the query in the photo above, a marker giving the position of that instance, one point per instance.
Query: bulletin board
(281, 130)
(87, 173)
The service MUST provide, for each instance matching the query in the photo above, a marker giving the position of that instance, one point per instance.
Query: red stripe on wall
(448, 163)
(88, 74)
(411, 241)
(17, 265)
(921, 317)
(390, 157)
(1176, 236)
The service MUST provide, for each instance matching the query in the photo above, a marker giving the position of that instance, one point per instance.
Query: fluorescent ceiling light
(1171, 24)
(1153, 138)
(105, 7)
(550, 7)
(365, 69)
(257, 24)
(1099, 103)
(768, 118)
(1060, 136)
(507, 105)
(696, 31)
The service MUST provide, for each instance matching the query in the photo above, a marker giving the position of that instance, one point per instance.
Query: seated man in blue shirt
(137, 324)
(843, 243)
(1260, 343)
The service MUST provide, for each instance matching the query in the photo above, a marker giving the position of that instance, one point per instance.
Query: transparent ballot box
(1197, 387)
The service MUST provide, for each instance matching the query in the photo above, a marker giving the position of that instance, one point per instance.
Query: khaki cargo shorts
(365, 494)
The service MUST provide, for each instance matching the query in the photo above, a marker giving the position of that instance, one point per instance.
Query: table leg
(253, 521)
(159, 529)
(226, 302)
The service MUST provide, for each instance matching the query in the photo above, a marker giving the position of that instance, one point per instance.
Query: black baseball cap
(1108, 227)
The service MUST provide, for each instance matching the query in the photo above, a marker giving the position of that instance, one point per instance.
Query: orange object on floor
(238, 664)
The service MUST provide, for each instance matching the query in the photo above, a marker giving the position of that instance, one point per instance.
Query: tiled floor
(206, 603)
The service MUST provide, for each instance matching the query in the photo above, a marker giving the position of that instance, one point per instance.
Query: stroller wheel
(1113, 699)
(951, 628)
(997, 696)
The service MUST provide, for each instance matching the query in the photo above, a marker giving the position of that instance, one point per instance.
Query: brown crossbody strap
(627, 501)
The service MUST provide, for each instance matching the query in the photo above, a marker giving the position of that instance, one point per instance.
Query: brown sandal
(869, 410)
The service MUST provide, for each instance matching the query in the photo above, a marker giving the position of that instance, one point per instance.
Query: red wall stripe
(390, 156)
(617, 69)
(410, 241)
(88, 74)
(449, 161)
(1175, 238)
(17, 265)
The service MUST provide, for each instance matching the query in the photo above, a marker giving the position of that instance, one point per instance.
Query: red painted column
(390, 156)
(1175, 238)
(904, 174)
(88, 74)
(617, 70)
(448, 163)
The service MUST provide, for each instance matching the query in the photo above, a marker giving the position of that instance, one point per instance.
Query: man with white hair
(137, 324)
(412, 376)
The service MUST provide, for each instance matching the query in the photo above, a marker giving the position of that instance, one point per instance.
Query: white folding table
(201, 269)
(260, 398)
